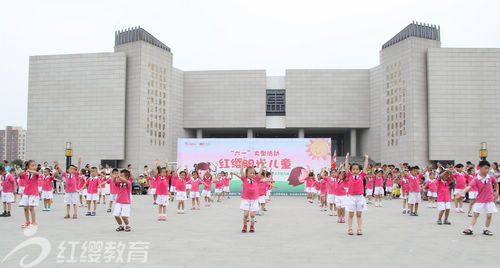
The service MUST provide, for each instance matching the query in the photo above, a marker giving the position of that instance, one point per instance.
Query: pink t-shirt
(162, 185)
(340, 188)
(263, 188)
(355, 183)
(469, 180)
(219, 183)
(459, 180)
(317, 185)
(112, 186)
(123, 192)
(431, 185)
(195, 184)
(309, 181)
(443, 190)
(180, 184)
(8, 183)
(389, 181)
(22, 179)
(331, 183)
(81, 181)
(71, 182)
(323, 187)
(31, 184)
(379, 181)
(250, 188)
(152, 182)
(47, 183)
(40, 182)
(414, 182)
(369, 183)
(207, 187)
(485, 193)
(226, 181)
(92, 185)
(405, 185)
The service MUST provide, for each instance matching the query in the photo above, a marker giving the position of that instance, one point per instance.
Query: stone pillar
(301, 133)
(199, 133)
(249, 133)
(353, 142)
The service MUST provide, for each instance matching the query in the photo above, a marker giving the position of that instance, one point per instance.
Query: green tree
(18, 162)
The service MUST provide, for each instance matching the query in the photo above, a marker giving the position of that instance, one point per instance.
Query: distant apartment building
(13, 143)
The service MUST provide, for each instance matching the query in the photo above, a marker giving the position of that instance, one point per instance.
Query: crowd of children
(351, 188)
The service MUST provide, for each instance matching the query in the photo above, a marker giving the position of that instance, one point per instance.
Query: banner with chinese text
(289, 159)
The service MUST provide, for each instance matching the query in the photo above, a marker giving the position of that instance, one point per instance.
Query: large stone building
(13, 143)
(422, 103)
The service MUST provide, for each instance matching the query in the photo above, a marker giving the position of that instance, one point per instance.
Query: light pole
(69, 153)
(483, 152)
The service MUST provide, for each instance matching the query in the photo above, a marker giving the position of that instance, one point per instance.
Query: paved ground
(292, 234)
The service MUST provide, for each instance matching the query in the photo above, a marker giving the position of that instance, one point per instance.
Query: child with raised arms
(113, 190)
(309, 186)
(323, 189)
(8, 189)
(225, 189)
(81, 182)
(389, 182)
(162, 178)
(180, 188)
(207, 188)
(71, 190)
(414, 197)
(443, 195)
(92, 184)
(30, 199)
(219, 184)
(250, 194)
(369, 186)
(356, 202)
(487, 193)
(431, 187)
(47, 191)
(331, 184)
(122, 206)
(152, 188)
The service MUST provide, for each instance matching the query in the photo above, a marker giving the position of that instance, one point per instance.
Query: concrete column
(353, 142)
(249, 133)
(301, 133)
(199, 133)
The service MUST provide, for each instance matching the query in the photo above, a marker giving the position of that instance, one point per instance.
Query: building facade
(13, 143)
(422, 103)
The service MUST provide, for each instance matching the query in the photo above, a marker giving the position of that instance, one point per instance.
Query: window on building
(275, 102)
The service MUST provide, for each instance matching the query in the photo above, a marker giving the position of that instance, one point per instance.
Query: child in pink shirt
(486, 196)
(250, 193)
(8, 186)
(161, 189)
(323, 188)
(309, 186)
(379, 187)
(369, 187)
(152, 188)
(473, 190)
(82, 191)
(431, 187)
(263, 186)
(219, 184)
(47, 190)
(355, 200)
(443, 195)
(413, 176)
(207, 188)
(460, 183)
(123, 188)
(93, 184)
(225, 189)
(389, 181)
(30, 198)
(340, 195)
(180, 189)
(331, 184)
(195, 189)
(405, 190)
(113, 190)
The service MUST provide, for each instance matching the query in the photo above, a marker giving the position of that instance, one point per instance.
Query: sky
(274, 35)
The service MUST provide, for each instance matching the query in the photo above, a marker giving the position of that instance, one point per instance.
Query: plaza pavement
(293, 233)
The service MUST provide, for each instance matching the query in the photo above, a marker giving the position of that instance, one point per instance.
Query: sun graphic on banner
(319, 148)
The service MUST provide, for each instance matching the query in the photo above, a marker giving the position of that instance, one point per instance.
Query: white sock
(470, 228)
(485, 228)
